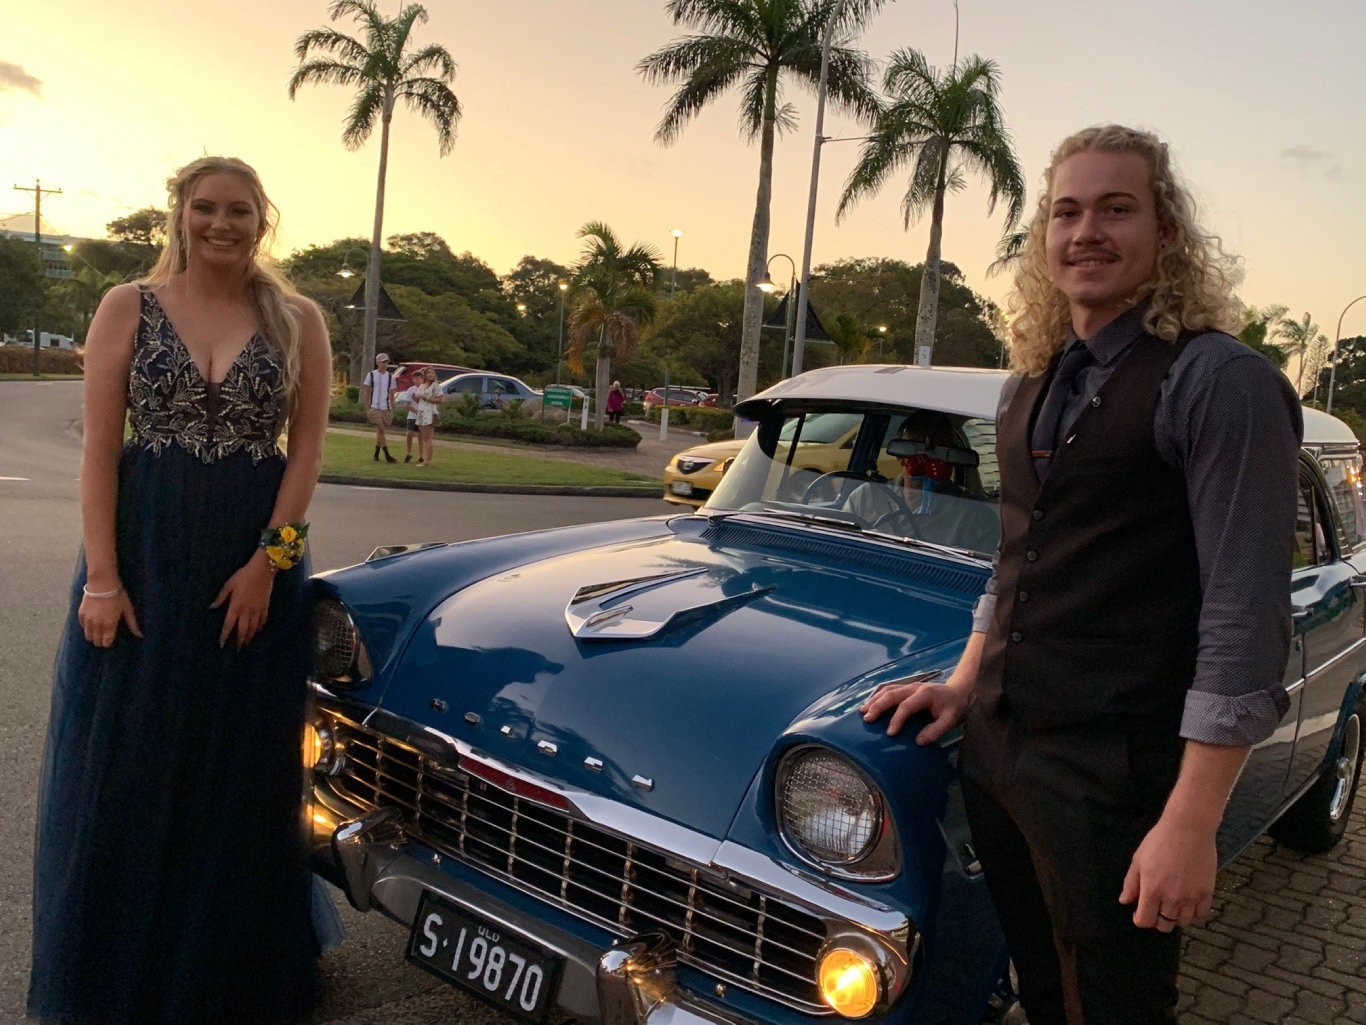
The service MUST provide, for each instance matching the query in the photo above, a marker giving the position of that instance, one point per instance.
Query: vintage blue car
(618, 768)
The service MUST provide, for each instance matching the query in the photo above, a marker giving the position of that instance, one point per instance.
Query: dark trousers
(1056, 816)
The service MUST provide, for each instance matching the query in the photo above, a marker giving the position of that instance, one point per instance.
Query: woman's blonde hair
(277, 302)
(1191, 289)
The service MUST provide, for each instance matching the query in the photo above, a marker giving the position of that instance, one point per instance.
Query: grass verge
(350, 455)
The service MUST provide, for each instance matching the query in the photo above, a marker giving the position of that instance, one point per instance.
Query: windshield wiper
(932, 546)
(795, 515)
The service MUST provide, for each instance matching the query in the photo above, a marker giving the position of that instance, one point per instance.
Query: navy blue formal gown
(170, 882)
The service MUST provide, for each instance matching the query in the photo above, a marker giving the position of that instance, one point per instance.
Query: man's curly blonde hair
(1191, 289)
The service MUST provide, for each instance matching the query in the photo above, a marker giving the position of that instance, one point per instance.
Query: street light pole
(559, 352)
(799, 343)
(767, 286)
(677, 233)
(1337, 338)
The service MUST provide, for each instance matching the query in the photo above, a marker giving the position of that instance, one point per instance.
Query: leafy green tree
(698, 334)
(853, 339)
(1349, 383)
(887, 292)
(145, 227)
(21, 284)
(757, 46)
(1298, 338)
(613, 297)
(78, 296)
(1256, 325)
(940, 126)
(383, 69)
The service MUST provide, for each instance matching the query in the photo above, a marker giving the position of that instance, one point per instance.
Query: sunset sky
(1261, 102)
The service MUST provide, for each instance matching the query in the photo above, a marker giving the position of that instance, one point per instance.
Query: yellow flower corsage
(285, 545)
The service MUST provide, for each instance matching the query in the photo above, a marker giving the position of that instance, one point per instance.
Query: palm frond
(431, 98)
(433, 61)
(360, 120)
(327, 40)
(322, 71)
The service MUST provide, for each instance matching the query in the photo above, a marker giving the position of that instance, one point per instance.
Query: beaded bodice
(170, 402)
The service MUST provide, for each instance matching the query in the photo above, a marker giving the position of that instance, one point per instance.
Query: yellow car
(693, 474)
(826, 442)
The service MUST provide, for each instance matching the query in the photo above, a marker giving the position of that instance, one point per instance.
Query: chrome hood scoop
(633, 610)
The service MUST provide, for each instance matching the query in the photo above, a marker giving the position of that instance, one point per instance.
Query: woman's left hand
(247, 594)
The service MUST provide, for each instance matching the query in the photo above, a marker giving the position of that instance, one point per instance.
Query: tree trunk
(601, 369)
(927, 316)
(752, 321)
(372, 271)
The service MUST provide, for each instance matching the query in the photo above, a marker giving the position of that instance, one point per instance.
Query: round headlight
(831, 813)
(339, 657)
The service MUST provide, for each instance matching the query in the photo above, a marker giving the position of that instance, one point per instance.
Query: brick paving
(1286, 943)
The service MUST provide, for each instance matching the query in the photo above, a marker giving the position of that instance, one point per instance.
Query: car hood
(674, 662)
(716, 450)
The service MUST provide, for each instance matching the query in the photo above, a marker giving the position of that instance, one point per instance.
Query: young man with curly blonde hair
(1131, 644)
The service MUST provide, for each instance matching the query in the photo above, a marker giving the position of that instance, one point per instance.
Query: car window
(836, 464)
(1344, 482)
(1313, 528)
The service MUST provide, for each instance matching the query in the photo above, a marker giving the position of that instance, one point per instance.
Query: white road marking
(14, 478)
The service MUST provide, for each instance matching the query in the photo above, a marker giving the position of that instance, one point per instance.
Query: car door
(1329, 619)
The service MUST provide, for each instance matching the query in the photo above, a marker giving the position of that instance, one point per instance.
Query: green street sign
(561, 398)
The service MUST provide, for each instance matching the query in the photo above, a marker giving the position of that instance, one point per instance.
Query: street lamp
(346, 271)
(1337, 337)
(799, 344)
(768, 286)
(881, 337)
(559, 353)
(677, 233)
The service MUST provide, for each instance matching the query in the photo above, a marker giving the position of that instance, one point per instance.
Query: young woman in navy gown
(170, 881)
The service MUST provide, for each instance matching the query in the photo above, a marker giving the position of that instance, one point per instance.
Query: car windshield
(919, 475)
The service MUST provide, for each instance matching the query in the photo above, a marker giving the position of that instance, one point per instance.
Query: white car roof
(966, 391)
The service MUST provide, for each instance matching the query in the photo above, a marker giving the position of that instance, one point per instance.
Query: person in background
(426, 396)
(404, 400)
(170, 876)
(1130, 646)
(377, 395)
(616, 402)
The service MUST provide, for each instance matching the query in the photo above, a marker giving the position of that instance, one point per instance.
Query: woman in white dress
(426, 394)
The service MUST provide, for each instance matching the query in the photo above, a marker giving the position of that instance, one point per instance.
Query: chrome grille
(738, 934)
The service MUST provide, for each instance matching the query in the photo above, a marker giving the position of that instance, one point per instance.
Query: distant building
(56, 263)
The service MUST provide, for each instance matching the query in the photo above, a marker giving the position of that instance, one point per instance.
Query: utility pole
(37, 191)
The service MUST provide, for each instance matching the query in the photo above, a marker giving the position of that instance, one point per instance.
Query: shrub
(704, 418)
(513, 410)
(18, 359)
(466, 407)
(353, 393)
(531, 432)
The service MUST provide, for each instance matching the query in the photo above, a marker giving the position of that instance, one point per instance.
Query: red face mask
(921, 465)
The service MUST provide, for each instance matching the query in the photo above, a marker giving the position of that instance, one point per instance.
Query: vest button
(1037, 515)
(1032, 556)
(1017, 637)
(1095, 401)
(1022, 596)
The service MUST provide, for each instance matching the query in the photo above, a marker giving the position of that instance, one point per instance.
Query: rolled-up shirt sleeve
(1230, 421)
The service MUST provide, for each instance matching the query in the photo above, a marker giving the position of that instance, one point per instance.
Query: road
(1285, 943)
(366, 980)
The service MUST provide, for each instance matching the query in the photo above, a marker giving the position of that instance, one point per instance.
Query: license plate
(681, 487)
(482, 958)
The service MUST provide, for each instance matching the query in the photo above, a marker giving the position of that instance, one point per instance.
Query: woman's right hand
(100, 618)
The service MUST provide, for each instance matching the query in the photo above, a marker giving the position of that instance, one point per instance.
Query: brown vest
(1098, 602)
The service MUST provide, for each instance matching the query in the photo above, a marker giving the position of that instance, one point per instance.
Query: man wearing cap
(376, 395)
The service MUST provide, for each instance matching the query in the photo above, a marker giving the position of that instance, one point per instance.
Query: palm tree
(755, 45)
(615, 297)
(1256, 324)
(940, 125)
(383, 70)
(1297, 338)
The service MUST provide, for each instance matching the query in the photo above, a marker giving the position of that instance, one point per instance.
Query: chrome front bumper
(634, 983)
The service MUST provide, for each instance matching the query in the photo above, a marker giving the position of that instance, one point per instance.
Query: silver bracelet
(85, 589)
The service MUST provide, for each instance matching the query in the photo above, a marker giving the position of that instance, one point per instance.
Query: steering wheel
(832, 475)
(896, 510)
